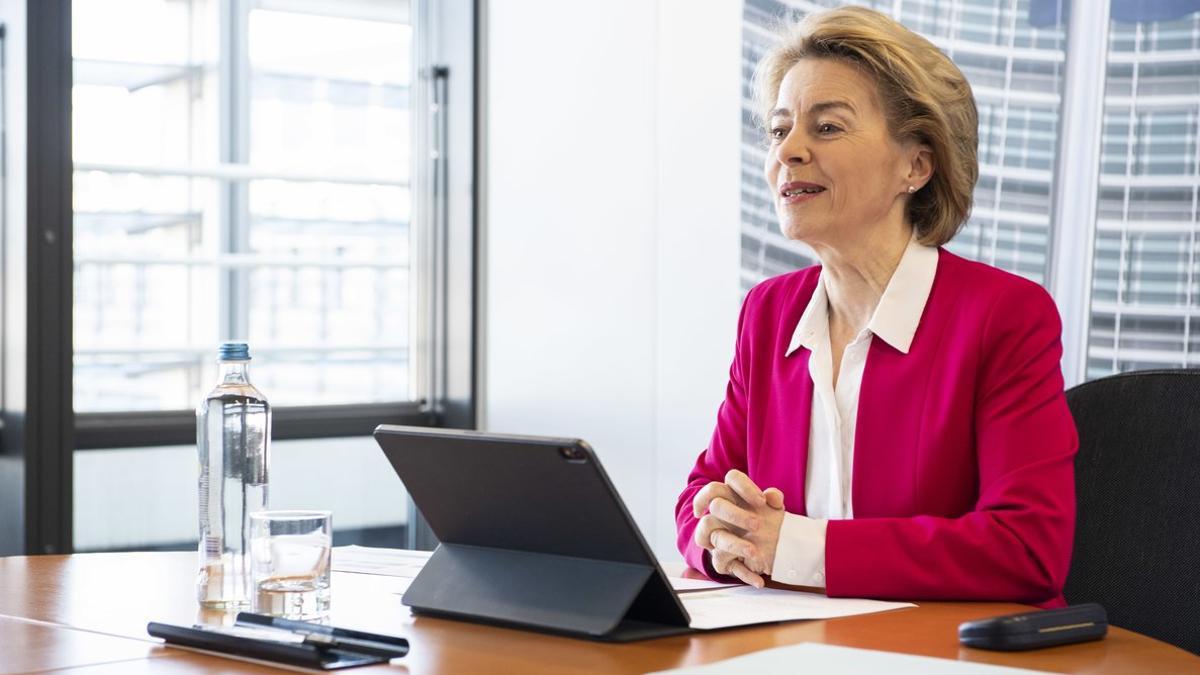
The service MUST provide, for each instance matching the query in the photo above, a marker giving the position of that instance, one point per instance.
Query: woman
(894, 424)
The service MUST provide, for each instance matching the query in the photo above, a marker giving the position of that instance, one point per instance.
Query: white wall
(612, 247)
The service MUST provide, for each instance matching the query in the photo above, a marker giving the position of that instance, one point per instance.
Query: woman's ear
(920, 165)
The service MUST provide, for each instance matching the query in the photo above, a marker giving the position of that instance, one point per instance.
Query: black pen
(327, 637)
(369, 647)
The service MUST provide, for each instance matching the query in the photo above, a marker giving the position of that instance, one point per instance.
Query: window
(242, 171)
(253, 169)
(1145, 310)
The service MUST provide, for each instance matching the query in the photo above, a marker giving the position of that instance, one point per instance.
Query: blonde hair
(924, 96)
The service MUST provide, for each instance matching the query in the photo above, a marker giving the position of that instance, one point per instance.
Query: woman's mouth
(797, 192)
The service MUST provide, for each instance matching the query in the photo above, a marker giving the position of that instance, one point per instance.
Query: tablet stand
(582, 597)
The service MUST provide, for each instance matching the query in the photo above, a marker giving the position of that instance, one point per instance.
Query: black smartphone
(1034, 630)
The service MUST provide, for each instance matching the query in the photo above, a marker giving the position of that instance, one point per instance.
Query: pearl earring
(912, 189)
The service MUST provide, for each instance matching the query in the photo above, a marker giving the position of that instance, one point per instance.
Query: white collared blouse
(800, 554)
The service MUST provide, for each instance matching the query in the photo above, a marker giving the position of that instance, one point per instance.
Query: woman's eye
(827, 128)
(778, 133)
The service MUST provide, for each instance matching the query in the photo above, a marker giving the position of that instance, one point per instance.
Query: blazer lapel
(890, 406)
(785, 437)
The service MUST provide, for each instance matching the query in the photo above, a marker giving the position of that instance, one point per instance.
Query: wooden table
(87, 614)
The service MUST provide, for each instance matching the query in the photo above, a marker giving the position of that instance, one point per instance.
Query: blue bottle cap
(234, 351)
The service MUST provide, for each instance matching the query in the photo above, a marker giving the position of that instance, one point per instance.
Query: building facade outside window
(1141, 299)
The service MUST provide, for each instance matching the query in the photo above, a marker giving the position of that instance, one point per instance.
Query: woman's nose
(793, 149)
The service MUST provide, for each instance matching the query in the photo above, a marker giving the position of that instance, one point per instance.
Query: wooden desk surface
(89, 612)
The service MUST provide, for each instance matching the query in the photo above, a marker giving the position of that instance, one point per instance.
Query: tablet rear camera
(572, 454)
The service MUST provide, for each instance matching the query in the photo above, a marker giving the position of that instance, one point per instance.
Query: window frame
(42, 430)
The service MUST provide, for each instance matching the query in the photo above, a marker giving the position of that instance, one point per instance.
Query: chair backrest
(1137, 479)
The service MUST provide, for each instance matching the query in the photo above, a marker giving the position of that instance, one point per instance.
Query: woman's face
(834, 169)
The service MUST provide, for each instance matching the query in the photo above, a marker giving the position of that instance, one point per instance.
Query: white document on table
(398, 562)
(711, 604)
(818, 658)
(391, 562)
(746, 606)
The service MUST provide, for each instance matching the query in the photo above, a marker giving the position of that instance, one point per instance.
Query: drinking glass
(289, 561)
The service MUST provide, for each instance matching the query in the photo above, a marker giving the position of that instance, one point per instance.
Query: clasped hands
(739, 525)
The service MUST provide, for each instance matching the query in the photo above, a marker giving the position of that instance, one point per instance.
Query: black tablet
(533, 535)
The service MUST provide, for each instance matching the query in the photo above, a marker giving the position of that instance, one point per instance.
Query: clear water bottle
(233, 437)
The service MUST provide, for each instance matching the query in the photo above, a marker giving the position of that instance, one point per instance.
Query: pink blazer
(963, 475)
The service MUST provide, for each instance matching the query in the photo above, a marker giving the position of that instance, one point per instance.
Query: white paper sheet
(817, 658)
(392, 562)
(746, 605)
(711, 604)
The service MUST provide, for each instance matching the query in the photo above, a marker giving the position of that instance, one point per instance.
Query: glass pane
(333, 300)
(145, 91)
(1145, 283)
(339, 83)
(273, 207)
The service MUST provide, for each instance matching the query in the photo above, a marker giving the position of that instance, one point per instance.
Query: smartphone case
(1034, 630)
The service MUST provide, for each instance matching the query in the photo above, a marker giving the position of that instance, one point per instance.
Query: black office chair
(1137, 479)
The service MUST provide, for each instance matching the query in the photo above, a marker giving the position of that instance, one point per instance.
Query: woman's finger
(705, 529)
(724, 540)
(738, 569)
(745, 488)
(707, 494)
(774, 498)
(753, 564)
(733, 514)
(720, 561)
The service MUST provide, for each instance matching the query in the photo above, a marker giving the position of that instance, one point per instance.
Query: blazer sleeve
(1016, 543)
(726, 450)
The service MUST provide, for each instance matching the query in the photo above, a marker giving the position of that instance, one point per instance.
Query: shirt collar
(814, 322)
(900, 307)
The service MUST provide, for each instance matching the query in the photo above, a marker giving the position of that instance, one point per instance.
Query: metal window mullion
(239, 303)
(108, 430)
(44, 423)
(952, 39)
(1189, 297)
(438, 252)
(239, 172)
(195, 230)
(1076, 179)
(952, 22)
(421, 289)
(1003, 126)
(267, 348)
(1130, 141)
(234, 114)
(419, 293)
(446, 45)
(235, 261)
